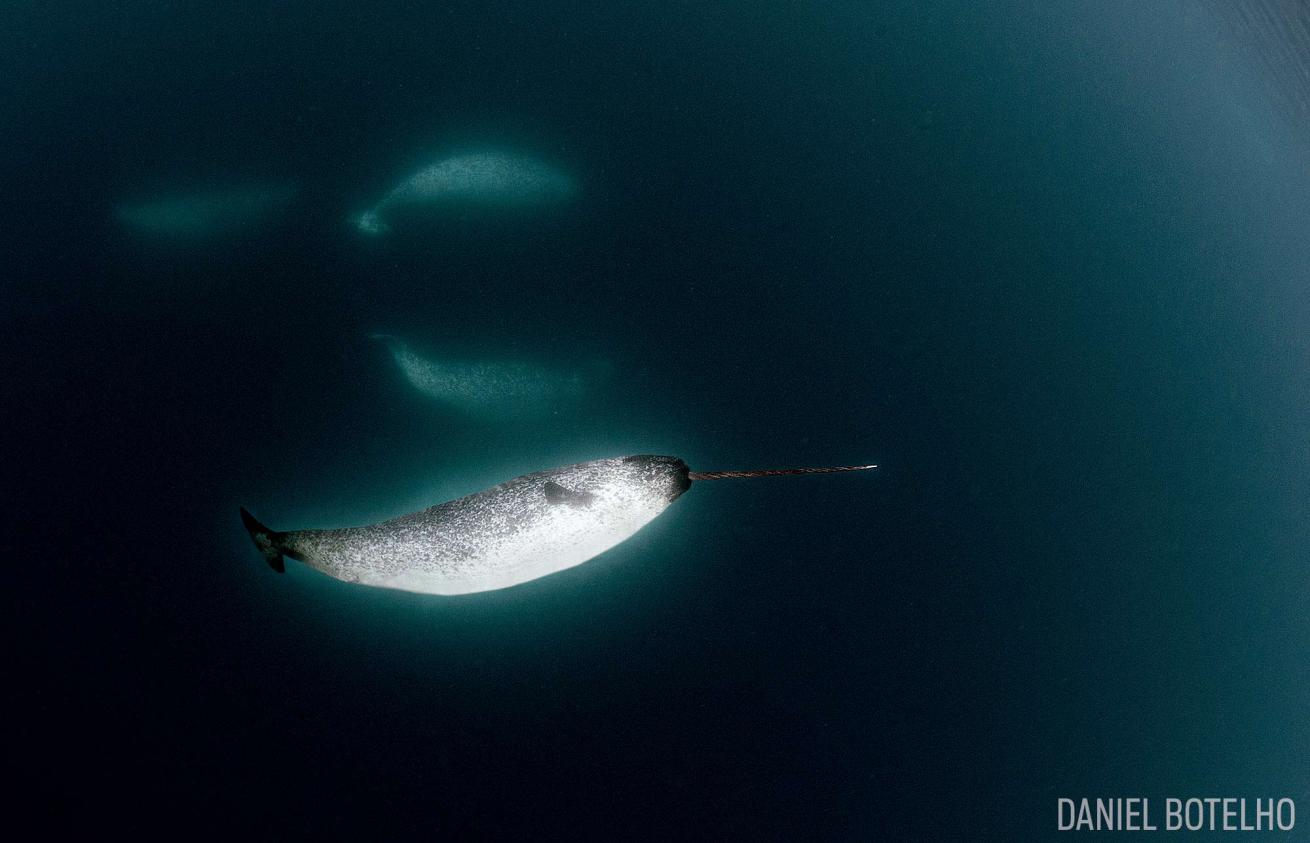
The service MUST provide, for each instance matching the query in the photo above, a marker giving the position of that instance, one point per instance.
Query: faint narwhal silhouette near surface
(491, 180)
(497, 389)
(205, 215)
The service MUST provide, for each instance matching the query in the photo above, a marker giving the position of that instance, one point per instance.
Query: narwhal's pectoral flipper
(269, 542)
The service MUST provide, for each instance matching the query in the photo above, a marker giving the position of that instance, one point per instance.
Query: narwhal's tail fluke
(269, 542)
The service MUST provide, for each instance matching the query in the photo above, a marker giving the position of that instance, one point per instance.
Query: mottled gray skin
(511, 533)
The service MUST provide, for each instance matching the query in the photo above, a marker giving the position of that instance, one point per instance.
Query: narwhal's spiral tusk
(774, 472)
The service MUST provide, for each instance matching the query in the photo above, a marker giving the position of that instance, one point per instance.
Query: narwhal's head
(662, 476)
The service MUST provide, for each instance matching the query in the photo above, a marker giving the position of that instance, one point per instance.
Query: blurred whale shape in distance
(205, 214)
(484, 179)
(488, 388)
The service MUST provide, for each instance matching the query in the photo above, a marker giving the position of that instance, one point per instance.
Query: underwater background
(1046, 263)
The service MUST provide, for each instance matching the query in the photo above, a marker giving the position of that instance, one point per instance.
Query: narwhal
(486, 179)
(520, 530)
(498, 389)
(206, 214)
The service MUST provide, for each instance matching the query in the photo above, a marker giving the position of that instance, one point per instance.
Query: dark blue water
(1047, 266)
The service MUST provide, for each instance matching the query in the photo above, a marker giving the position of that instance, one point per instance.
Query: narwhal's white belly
(514, 566)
